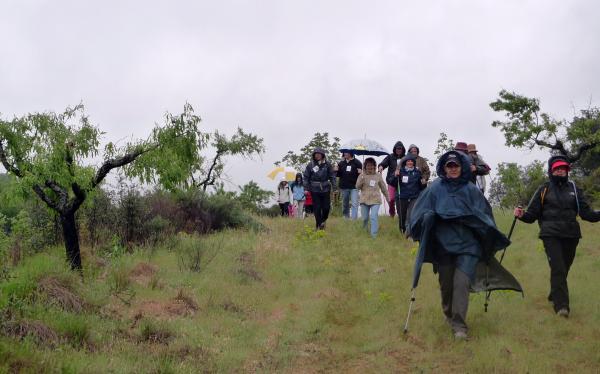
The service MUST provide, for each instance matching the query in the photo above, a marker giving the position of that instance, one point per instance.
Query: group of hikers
(407, 175)
(450, 216)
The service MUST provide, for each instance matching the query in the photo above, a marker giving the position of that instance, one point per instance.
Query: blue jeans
(370, 212)
(350, 196)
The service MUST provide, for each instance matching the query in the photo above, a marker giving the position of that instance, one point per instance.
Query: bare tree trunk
(71, 237)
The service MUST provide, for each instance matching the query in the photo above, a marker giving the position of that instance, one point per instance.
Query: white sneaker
(460, 335)
(564, 312)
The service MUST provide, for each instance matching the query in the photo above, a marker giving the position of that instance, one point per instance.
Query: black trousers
(560, 253)
(321, 206)
(454, 287)
(404, 206)
(284, 209)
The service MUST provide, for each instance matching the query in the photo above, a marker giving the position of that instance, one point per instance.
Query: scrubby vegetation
(285, 299)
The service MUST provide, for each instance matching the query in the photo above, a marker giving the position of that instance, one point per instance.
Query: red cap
(559, 163)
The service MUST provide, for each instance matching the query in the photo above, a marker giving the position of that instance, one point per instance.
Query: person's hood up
(409, 156)
(465, 166)
(553, 159)
(414, 146)
(319, 150)
(399, 144)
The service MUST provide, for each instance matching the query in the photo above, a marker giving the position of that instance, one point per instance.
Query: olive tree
(50, 154)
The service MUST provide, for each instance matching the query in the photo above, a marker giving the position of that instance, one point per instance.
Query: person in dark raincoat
(556, 205)
(455, 227)
(391, 162)
(410, 183)
(319, 179)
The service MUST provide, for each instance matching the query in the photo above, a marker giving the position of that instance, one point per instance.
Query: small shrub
(75, 330)
(308, 235)
(194, 254)
(114, 248)
(153, 331)
(187, 300)
(120, 283)
(157, 228)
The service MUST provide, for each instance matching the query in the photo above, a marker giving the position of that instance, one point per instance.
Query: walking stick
(487, 296)
(412, 300)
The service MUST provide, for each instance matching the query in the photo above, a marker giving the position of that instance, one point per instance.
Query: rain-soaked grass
(290, 300)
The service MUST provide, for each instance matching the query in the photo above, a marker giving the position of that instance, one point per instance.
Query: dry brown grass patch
(181, 305)
(143, 272)
(40, 332)
(59, 293)
(247, 267)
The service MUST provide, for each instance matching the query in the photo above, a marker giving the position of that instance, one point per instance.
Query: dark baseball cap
(452, 159)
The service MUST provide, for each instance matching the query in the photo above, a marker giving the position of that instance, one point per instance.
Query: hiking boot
(322, 226)
(564, 312)
(460, 335)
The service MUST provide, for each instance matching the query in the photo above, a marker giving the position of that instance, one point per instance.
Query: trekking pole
(512, 227)
(412, 300)
(487, 296)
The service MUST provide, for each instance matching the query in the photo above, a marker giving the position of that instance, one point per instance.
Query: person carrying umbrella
(455, 227)
(556, 205)
(347, 171)
(391, 162)
(319, 179)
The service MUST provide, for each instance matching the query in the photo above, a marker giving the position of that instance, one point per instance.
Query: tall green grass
(291, 300)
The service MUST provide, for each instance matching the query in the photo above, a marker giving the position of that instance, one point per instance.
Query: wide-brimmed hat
(461, 146)
(472, 148)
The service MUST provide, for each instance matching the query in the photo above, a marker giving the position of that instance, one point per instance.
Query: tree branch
(559, 146)
(80, 196)
(128, 158)
(38, 190)
(69, 158)
(209, 180)
(582, 149)
(62, 194)
(7, 165)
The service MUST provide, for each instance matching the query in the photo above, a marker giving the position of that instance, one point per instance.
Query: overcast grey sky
(393, 70)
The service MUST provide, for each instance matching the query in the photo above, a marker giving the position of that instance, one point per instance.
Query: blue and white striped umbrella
(364, 147)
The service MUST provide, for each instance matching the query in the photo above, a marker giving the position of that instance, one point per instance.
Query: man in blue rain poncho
(455, 226)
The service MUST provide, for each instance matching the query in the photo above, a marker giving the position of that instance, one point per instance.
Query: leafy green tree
(298, 160)
(514, 185)
(11, 198)
(47, 152)
(527, 127)
(254, 198)
(444, 144)
(207, 172)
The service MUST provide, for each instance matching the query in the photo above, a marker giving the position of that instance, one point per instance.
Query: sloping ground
(290, 300)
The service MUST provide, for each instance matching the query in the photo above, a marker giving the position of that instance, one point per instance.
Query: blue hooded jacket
(410, 181)
(452, 216)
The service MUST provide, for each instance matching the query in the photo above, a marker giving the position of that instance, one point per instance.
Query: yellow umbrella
(285, 172)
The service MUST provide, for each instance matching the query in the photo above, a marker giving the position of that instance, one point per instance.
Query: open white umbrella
(364, 147)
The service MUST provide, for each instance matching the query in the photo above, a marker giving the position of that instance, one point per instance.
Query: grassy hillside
(290, 300)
